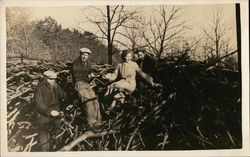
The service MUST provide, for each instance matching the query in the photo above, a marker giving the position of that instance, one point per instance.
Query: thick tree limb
(218, 60)
(131, 138)
(83, 137)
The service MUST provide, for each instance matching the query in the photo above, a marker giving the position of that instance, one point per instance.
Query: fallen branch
(164, 140)
(131, 138)
(16, 75)
(230, 138)
(139, 133)
(218, 60)
(20, 94)
(11, 140)
(83, 137)
(202, 139)
(30, 136)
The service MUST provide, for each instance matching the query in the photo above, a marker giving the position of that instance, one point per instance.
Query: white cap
(50, 74)
(85, 50)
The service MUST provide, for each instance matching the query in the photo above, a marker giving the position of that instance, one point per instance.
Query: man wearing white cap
(48, 96)
(81, 72)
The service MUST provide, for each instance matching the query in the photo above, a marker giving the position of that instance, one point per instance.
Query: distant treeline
(46, 40)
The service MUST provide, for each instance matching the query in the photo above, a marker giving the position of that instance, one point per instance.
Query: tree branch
(218, 60)
(83, 137)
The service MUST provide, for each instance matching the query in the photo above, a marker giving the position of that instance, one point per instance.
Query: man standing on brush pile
(47, 96)
(145, 62)
(81, 74)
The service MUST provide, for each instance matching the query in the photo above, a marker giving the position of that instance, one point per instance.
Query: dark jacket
(48, 99)
(147, 65)
(81, 70)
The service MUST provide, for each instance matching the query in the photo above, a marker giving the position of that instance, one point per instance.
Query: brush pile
(197, 108)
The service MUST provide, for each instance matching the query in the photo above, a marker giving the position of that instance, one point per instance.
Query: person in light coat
(125, 74)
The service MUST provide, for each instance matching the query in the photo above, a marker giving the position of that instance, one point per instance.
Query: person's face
(52, 82)
(141, 55)
(128, 57)
(136, 56)
(84, 56)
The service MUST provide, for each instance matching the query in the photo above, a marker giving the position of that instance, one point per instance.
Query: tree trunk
(217, 49)
(109, 36)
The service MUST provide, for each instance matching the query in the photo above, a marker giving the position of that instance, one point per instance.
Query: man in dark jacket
(47, 96)
(145, 62)
(81, 74)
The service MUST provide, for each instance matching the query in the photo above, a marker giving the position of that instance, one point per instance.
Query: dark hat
(140, 50)
(124, 54)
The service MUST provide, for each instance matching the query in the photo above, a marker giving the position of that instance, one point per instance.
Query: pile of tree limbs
(197, 108)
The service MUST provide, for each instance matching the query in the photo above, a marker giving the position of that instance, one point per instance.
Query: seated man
(47, 96)
(81, 71)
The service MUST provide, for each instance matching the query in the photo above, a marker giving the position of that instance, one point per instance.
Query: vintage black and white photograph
(121, 77)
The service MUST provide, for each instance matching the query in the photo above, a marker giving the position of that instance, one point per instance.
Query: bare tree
(19, 31)
(21, 39)
(191, 47)
(110, 22)
(216, 35)
(165, 29)
(132, 36)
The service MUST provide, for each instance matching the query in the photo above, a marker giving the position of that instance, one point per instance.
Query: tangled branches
(195, 109)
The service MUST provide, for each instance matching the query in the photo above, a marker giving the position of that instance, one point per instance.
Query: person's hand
(107, 77)
(91, 75)
(69, 107)
(104, 77)
(54, 113)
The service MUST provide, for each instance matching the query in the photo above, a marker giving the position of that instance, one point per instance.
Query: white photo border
(245, 151)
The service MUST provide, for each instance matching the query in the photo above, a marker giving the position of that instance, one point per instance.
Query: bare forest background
(163, 36)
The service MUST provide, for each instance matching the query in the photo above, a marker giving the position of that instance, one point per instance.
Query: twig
(76, 131)
(30, 136)
(62, 71)
(14, 117)
(115, 140)
(11, 140)
(131, 138)
(31, 145)
(16, 75)
(106, 145)
(200, 138)
(12, 113)
(230, 137)
(218, 60)
(141, 138)
(16, 96)
(183, 136)
(24, 123)
(164, 140)
(86, 135)
(61, 134)
(71, 133)
(28, 145)
(198, 129)
(88, 143)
